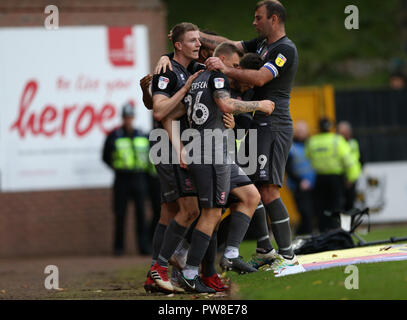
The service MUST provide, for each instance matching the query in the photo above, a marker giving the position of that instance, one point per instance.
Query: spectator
(301, 178)
(397, 81)
(126, 151)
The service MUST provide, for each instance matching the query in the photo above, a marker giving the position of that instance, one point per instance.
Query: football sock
(239, 223)
(182, 248)
(208, 262)
(280, 225)
(190, 272)
(231, 252)
(172, 237)
(260, 225)
(197, 250)
(191, 228)
(158, 240)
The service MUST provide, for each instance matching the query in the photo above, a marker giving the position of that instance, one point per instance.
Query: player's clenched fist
(267, 106)
(145, 82)
(214, 63)
(229, 120)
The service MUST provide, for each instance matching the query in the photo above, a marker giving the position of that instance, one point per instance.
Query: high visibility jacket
(131, 153)
(127, 152)
(330, 153)
(354, 149)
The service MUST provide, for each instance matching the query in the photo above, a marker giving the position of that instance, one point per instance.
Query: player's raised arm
(147, 98)
(212, 41)
(163, 63)
(254, 77)
(163, 104)
(275, 66)
(228, 104)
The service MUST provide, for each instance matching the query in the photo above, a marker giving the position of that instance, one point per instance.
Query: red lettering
(50, 121)
(27, 97)
(108, 112)
(66, 113)
(81, 132)
(48, 115)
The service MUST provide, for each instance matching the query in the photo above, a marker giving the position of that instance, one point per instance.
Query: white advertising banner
(383, 189)
(61, 91)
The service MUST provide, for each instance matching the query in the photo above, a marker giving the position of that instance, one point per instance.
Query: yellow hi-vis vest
(131, 154)
(330, 153)
(354, 149)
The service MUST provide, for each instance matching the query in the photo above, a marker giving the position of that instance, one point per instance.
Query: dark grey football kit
(213, 178)
(274, 132)
(175, 181)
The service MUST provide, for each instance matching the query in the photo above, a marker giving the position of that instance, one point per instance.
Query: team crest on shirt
(219, 83)
(280, 60)
(163, 82)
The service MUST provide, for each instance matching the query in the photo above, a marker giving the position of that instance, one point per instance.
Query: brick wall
(66, 222)
(72, 222)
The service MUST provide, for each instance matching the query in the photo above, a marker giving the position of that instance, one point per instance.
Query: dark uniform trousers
(328, 196)
(305, 205)
(130, 186)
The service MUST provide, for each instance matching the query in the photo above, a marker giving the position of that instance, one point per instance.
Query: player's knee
(269, 193)
(252, 198)
(193, 213)
(189, 213)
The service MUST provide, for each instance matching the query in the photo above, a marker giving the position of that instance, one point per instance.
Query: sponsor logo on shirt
(264, 54)
(280, 60)
(163, 82)
(219, 83)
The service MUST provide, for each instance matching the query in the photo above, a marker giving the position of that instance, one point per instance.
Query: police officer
(126, 152)
(332, 160)
(344, 128)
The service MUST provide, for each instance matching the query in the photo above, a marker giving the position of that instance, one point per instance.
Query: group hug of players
(210, 82)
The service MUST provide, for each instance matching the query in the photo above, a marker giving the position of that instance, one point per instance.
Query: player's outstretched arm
(234, 106)
(163, 105)
(212, 41)
(254, 77)
(145, 84)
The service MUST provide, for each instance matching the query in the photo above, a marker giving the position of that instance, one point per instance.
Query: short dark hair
(226, 48)
(251, 61)
(273, 7)
(325, 124)
(178, 31)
